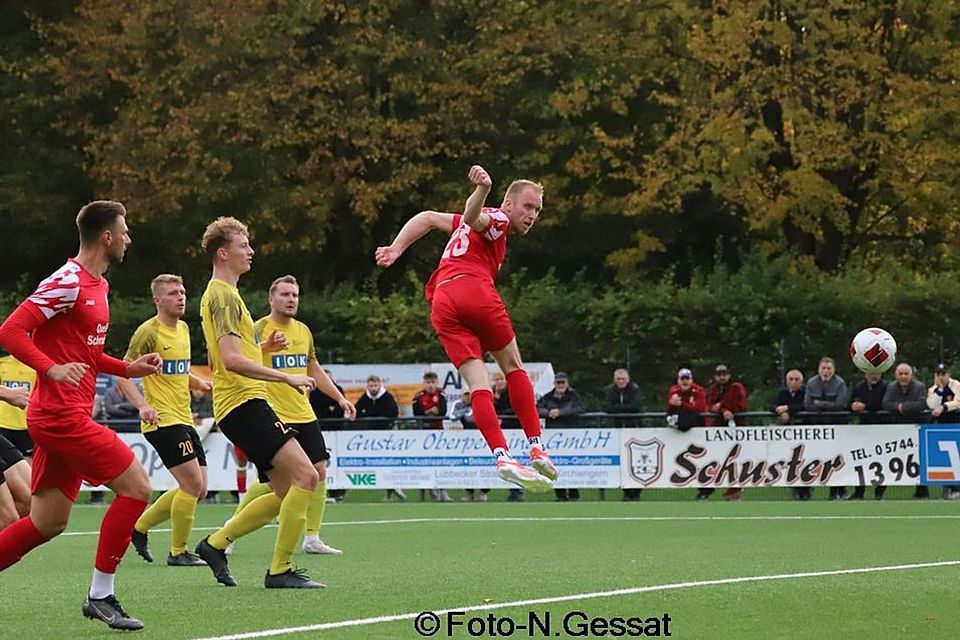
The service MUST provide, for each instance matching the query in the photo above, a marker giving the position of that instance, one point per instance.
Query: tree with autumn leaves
(673, 138)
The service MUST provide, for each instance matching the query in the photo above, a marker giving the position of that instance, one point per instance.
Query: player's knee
(307, 478)
(139, 488)
(52, 525)
(193, 486)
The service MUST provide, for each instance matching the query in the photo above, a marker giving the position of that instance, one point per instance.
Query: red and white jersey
(73, 304)
(469, 252)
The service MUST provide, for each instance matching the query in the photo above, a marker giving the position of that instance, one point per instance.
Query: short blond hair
(156, 285)
(288, 279)
(518, 186)
(219, 232)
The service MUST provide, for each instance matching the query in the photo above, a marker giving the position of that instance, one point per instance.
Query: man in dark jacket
(867, 402)
(623, 396)
(906, 399)
(560, 408)
(789, 400)
(377, 402)
(327, 410)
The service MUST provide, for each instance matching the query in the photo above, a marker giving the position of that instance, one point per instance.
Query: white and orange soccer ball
(873, 350)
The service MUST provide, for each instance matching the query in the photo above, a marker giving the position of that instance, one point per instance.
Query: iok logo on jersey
(175, 367)
(940, 454)
(16, 384)
(290, 361)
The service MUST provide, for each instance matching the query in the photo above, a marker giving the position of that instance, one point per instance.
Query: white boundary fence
(756, 456)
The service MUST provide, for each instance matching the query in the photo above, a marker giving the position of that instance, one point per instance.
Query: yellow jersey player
(166, 420)
(287, 345)
(241, 410)
(16, 446)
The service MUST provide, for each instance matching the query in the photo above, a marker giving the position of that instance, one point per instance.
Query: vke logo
(366, 479)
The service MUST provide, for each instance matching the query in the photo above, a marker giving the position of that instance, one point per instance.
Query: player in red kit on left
(59, 331)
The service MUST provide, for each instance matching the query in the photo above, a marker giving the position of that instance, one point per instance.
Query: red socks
(242, 481)
(523, 401)
(115, 532)
(486, 418)
(17, 540)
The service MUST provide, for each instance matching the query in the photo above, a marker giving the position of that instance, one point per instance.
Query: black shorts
(255, 428)
(20, 439)
(177, 444)
(311, 439)
(9, 456)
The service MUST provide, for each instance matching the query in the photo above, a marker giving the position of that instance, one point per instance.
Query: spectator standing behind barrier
(826, 392)
(560, 408)
(118, 407)
(943, 400)
(867, 401)
(623, 396)
(508, 420)
(328, 409)
(377, 402)
(789, 399)
(430, 401)
(726, 397)
(906, 399)
(462, 410)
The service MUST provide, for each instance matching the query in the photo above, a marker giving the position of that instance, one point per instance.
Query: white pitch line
(588, 519)
(579, 596)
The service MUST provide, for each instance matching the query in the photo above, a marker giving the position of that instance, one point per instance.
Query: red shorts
(470, 319)
(67, 453)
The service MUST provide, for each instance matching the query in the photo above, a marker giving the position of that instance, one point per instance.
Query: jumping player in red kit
(469, 317)
(59, 331)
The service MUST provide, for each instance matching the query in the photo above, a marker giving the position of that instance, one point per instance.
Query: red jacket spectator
(430, 401)
(725, 397)
(688, 400)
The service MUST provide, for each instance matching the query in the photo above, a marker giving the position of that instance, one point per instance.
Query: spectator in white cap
(943, 399)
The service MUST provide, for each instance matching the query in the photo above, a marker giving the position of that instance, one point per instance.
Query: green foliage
(738, 317)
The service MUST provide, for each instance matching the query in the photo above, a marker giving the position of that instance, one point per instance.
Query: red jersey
(469, 252)
(73, 305)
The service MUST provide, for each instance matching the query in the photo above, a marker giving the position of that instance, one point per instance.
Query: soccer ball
(873, 350)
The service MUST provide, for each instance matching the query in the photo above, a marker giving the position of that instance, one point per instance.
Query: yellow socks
(255, 515)
(318, 505)
(255, 491)
(293, 517)
(182, 512)
(158, 512)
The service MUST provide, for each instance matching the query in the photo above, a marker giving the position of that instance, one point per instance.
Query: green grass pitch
(405, 558)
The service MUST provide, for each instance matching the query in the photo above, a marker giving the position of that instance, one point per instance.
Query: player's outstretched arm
(473, 214)
(415, 228)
